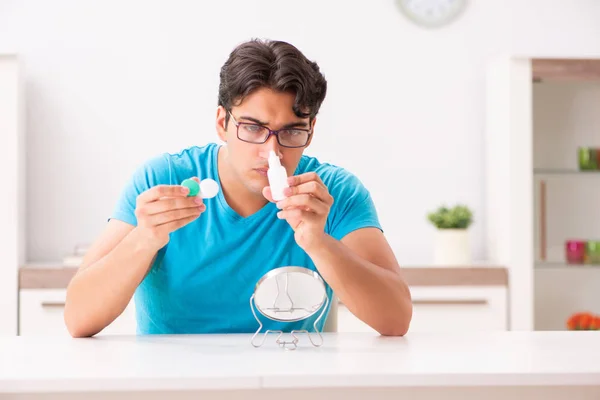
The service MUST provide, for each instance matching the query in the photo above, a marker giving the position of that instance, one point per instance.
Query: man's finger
(296, 180)
(314, 188)
(304, 202)
(174, 225)
(159, 191)
(174, 215)
(267, 193)
(171, 203)
(293, 217)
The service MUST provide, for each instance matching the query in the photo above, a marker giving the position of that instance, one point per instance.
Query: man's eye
(253, 128)
(293, 132)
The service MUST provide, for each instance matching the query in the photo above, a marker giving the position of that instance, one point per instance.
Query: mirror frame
(282, 270)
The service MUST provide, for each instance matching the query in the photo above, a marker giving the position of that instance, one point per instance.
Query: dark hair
(276, 65)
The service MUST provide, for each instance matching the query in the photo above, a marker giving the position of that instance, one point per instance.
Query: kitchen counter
(548, 365)
(56, 276)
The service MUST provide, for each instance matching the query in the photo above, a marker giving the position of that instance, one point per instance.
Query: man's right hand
(163, 209)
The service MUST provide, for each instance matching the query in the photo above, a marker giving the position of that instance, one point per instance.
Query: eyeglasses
(258, 134)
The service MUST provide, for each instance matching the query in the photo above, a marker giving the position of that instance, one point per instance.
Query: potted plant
(583, 321)
(452, 245)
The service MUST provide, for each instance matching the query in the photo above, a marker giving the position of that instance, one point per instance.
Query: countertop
(57, 276)
(346, 360)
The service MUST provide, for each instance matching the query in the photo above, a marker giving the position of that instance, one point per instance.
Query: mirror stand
(292, 344)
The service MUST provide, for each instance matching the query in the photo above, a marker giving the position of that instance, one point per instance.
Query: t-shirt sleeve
(353, 207)
(155, 171)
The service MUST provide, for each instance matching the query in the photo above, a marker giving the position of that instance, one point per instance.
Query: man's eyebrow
(298, 124)
(256, 121)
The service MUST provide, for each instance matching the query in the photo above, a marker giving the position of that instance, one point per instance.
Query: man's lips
(262, 170)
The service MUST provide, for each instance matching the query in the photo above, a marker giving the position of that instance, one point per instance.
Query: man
(193, 264)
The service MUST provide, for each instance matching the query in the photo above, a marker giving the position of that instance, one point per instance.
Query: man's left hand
(306, 208)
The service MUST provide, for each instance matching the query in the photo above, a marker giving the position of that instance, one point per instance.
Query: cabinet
(567, 198)
(538, 113)
(41, 313)
(12, 201)
(446, 309)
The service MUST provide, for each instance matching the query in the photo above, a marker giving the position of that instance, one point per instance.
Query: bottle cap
(208, 188)
(192, 185)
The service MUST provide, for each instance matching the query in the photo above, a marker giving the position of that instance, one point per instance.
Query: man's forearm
(376, 295)
(101, 291)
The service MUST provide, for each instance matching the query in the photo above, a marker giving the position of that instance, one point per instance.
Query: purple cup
(575, 251)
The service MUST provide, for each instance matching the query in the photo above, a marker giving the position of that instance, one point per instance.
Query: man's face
(248, 162)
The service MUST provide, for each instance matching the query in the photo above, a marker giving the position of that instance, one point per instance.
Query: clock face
(431, 13)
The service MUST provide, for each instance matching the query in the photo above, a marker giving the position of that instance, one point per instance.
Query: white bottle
(277, 177)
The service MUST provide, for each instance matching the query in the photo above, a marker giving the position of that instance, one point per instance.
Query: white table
(548, 365)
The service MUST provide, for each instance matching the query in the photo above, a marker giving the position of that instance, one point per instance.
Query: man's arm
(122, 256)
(105, 282)
(363, 272)
(360, 266)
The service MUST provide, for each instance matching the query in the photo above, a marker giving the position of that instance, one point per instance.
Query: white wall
(113, 83)
(555, 28)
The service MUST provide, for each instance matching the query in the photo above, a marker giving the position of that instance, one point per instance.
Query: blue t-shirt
(203, 279)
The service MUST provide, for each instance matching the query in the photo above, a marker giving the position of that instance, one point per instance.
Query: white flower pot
(452, 247)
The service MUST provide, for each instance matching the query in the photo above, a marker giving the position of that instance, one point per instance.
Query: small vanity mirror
(289, 294)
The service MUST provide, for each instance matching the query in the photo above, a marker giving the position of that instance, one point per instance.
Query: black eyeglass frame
(271, 132)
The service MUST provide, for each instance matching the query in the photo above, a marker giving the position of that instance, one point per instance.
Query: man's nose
(270, 144)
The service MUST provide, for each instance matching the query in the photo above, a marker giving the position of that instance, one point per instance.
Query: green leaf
(457, 217)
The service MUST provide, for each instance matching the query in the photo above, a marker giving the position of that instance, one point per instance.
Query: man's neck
(237, 196)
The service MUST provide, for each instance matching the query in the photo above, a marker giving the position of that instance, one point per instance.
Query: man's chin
(257, 183)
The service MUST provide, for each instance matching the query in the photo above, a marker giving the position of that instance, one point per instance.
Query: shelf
(565, 70)
(564, 265)
(565, 172)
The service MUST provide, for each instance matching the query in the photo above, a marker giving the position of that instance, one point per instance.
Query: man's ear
(312, 130)
(220, 123)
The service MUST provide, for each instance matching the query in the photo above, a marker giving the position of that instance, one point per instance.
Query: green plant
(458, 217)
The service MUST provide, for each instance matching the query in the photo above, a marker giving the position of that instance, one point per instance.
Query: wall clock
(432, 13)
